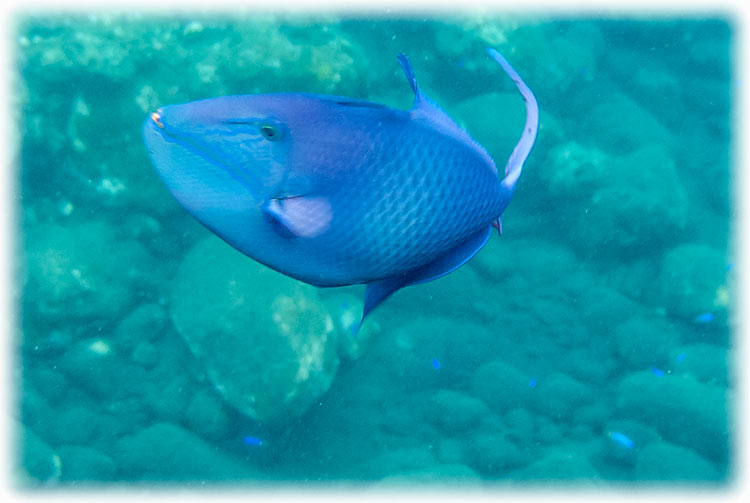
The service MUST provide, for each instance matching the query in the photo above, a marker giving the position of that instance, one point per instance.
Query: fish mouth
(160, 134)
(180, 157)
(156, 118)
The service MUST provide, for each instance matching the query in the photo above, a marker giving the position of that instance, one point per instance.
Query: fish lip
(156, 118)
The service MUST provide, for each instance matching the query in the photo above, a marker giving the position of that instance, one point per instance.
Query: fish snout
(156, 118)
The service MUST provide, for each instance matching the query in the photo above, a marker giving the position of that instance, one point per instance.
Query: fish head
(210, 152)
(227, 161)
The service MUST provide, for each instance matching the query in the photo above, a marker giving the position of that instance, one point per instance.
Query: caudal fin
(523, 147)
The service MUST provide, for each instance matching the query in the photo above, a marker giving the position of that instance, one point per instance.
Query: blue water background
(590, 344)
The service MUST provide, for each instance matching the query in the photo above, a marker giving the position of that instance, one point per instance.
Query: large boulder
(615, 204)
(266, 341)
(81, 270)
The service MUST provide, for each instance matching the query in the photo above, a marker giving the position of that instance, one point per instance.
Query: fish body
(337, 191)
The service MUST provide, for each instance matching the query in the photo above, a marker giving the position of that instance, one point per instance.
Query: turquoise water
(590, 345)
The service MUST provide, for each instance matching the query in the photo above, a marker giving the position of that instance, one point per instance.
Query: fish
(336, 191)
(621, 439)
(252, 441)
(657, 371)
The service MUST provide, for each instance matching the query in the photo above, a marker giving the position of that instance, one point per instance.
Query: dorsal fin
(429, 113)
(349, 102)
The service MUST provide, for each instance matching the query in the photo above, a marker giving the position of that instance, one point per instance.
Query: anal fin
(378, 291)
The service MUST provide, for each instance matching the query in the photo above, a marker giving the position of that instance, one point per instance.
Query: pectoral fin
(299, 216)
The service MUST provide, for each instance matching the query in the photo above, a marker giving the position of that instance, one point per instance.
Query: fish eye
(270, 132)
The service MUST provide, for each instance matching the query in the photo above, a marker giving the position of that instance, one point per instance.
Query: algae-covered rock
(564, 464)
(451, 474)
(403, 460)
(81, 270)
(685, 411)
(623, 125)
(707, 363)
(643, 342)
(207, 415)
(665, 462)
(628, 204)
(693, 281)
(452, 411)
(166, 451)
(493, 454)
(94, 365)
(502, 387)
(144, 323)
(558, 394)
(85, 464)
(266, 341)
(39, 463)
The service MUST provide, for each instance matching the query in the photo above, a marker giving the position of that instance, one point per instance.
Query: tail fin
(523, 147)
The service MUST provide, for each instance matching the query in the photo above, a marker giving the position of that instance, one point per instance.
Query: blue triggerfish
(337, 191)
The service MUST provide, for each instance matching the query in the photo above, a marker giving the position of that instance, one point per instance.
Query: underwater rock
(592, 415)
(663, 462)
(452, 474)
(145, 354)
(520, 426)
(82, 270)
(145, 323)
(608, 207)
(102, 45)
(645, 342)
(570, 56)
(85, 464)
(707, 363)
(693, 281)
(404, 460)
(73, 424)
(683, 410)
(168, 392)
(498, 137)
(548, 432)
(453, 412)
(94, 366)
(457, 295)
(558, 395)
(413, 351)
(573, 169)
(568, 464)
(502, 387)
(450, 451)
(492, 454)
(39, 463)
(266, 341)
(49, 382)
(346, 311)
(620, 125)
(624, 439)
(207, 416)
(165, 452)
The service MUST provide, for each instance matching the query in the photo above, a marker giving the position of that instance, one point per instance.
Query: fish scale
(338, 191)
(393, 240)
